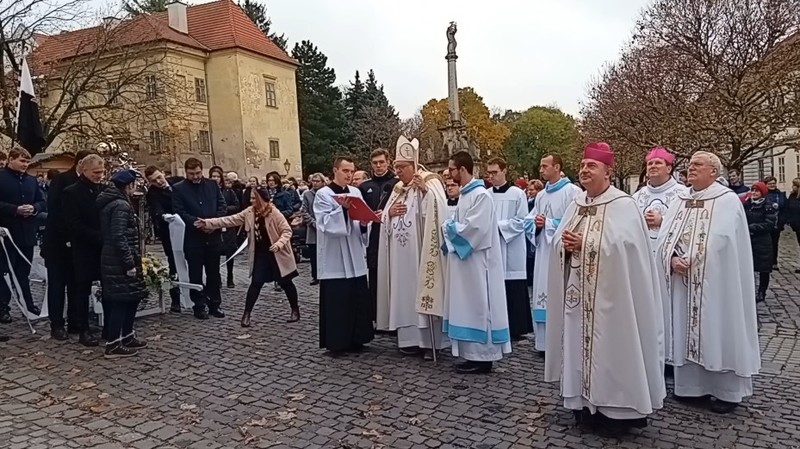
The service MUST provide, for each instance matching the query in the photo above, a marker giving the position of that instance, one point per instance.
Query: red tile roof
(212, 26)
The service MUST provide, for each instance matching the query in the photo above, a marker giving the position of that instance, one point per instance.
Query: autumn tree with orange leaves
(718, 75)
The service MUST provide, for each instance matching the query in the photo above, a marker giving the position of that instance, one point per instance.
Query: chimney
(177, 17)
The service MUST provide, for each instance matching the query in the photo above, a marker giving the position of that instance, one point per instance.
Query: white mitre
(407, 151)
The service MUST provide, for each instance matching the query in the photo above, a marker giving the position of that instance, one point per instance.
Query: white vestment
(476, 319)
(657, 199)
(604, 324)
(551, 202)
(713, 342)
(411, 265)
(511, 207)
(340, 242)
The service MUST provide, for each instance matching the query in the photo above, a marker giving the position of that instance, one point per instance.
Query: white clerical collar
(663, 187)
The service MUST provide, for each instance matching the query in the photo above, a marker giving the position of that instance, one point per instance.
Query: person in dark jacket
(82, 222)
(776, 196)
(229, 236)
(793, 211)
(121, 273)
(195, 198)
(762, 216)
(735, 182)
(159, 202)
(375, 192)
(20, 201)
(283, 199)
(58, 256)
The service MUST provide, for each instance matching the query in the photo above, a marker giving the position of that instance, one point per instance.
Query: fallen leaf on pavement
(74, 371)
(99, 408)
(371, 433)
(534, 415)
(186, 407)
(46, 402)
(258, 423)
(87, 352)
(103, 396)
(415, 421)
(39, 353)
(286, 416)
(377, 378)
(233, 396)
(154, 338)
(243, 337)
(82, 386)
(295, 396)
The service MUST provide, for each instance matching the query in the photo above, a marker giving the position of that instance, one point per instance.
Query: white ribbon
(177, 228)
(238, 251)
(13, 283)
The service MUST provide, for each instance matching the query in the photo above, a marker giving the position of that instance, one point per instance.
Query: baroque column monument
(454, 133)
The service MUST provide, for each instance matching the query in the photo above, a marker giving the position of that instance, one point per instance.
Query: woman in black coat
(229, 236)
(121, 273)
(762, 217)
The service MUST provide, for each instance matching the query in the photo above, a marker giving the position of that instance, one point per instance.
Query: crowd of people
(619, 291)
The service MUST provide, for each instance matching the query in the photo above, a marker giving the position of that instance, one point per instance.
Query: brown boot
(246, 319)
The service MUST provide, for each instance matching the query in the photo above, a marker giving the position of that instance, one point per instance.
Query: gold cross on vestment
(587, 211)
(694, 204)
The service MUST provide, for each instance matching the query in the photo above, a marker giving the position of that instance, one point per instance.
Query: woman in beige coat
(271, 257)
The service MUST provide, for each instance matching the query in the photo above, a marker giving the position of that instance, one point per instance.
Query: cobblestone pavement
(211, 384)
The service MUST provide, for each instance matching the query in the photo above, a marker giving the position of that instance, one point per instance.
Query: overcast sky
(515, 53)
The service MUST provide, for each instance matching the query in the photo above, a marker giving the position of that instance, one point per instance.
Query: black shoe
(34, 310)
(720, 406)
(761, 297)
(690, 400)
(775, 268)
(474, 367)
(410, 351)
(201, 314)
(230, 283)
(316, 281)
(4, 338)
(119, 351)
(216, 313)
(669, 371)
(428, 355)
(5, 317)
(175, 308)
(358, 347)
(134, 343)
(87, 339)
(59, 334)
(797, 271)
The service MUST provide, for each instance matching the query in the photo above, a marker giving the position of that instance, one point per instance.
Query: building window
(761, 169)
(200, 90)
(797, 165)
(150, 87)
(781, 169)
(112, 92)
(80, 142)
(156, 142)
(274, 149)
(269, 88)
(203, 142)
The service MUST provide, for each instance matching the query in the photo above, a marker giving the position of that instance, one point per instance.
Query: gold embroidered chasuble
(607, 298)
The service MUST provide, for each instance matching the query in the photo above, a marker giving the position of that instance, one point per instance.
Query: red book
(359, 210)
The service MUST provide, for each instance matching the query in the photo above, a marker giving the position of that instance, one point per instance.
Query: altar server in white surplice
(410, 261)
(660, 191)
(475, 313)
(510, 208)
(706, 266)
(345, 312)
(540, 227)
(604, 323)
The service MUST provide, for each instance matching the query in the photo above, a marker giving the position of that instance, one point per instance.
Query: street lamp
(287, 166)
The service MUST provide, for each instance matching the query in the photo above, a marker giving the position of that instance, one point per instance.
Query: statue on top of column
(451, 39)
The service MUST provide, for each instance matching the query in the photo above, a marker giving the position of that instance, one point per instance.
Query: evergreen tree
(372, 120)
(320, 107)
(257, 12)
(136, 7)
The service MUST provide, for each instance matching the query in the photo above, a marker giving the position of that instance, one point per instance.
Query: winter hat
(761, 187)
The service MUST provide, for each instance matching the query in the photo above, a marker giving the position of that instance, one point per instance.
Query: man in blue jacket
(195, 198)
(20, 201)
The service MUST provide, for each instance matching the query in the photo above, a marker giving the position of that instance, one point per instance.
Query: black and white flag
(29, 126)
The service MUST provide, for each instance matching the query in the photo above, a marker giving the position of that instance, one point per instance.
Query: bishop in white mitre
(660, 191)
(475, 315)
(510, 208)
(540, 227)
(345, 312)
(604, 324)
(706, 266)
(411, 263)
